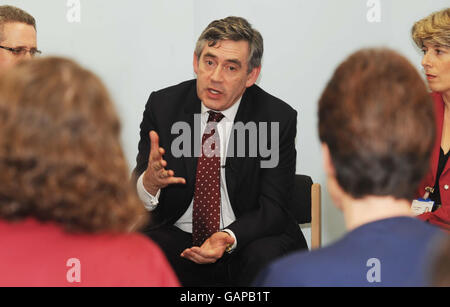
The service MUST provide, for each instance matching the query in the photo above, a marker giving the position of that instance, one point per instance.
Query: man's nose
(217, 74)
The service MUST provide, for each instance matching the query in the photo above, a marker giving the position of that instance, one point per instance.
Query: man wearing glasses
(17, 36)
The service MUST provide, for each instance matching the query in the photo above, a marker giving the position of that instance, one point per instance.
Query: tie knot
(215, 117)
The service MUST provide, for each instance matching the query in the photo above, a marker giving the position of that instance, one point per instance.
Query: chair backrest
(306, 204)
(301, 199)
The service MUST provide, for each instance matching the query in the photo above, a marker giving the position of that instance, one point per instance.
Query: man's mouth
(214, 91)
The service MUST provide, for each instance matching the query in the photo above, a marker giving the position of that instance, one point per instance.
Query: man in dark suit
(220, 213)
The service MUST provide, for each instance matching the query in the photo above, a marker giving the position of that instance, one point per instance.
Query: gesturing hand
(156, 177)
(211, 250)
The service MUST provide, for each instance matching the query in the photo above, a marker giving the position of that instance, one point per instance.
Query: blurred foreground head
(60, 153)
(376, 118)
(440, 271)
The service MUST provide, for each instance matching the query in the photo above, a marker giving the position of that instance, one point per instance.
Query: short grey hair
(235, 29)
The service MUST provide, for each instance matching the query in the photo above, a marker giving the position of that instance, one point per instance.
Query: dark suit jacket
(258, 196)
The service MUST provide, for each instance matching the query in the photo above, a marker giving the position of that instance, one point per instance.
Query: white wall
(140, 46)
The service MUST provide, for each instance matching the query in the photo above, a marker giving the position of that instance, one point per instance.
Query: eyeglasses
(21, 51)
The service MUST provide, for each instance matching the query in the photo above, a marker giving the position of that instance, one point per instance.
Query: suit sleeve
(148, 124)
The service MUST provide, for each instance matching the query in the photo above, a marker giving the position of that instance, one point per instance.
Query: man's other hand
(211, 250)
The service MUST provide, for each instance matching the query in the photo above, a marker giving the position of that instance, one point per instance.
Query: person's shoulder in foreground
(43, 254)
(390, 252)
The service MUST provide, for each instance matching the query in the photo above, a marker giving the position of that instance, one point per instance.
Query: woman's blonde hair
(434, 29)
(60, 154)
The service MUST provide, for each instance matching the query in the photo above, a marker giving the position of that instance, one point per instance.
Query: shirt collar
(229, 113)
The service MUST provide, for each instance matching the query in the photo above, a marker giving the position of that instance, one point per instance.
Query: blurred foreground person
(440, 272)
(376, 125)
(432, 35)
(17, 36)
(66, 209)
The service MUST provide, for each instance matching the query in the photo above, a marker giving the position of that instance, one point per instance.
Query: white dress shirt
(227, 216)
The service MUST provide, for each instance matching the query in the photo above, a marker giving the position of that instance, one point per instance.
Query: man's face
(16, 35)
(222, 74)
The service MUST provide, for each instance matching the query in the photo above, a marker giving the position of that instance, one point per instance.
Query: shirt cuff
(232, 247)
(150, 201)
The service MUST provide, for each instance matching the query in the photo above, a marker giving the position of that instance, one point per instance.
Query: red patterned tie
(206, 212)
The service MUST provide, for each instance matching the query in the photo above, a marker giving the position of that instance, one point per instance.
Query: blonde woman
(432, 35)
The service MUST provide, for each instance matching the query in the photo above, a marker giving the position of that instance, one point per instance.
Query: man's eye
(17, 51)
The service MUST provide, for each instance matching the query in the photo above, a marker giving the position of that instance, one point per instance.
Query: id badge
(420, 206)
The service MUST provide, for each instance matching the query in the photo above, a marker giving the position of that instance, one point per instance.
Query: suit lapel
(191, 110)
(440, 122)
(234, 165)
(439, 112)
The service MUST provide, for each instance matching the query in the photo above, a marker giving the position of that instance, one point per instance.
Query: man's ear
(253, 76)
(327, 161)
(195, 63)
